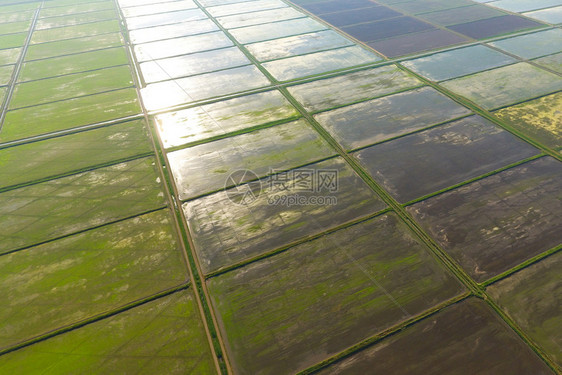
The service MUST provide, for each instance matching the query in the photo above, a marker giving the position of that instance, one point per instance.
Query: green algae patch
(540, 119)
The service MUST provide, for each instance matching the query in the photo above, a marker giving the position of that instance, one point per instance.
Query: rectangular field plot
(71, 86)
(75, 19)
(6, 74)
(464, 14)
(62, 282)
(256, 18)
(285, 313)
(82, 62)
(206, 168)
(523, 5)
(532, 45)
(531, 298)
(165, 335)
(181, 46)
(320, 62)
(71, 46)
(244, 7)
(14, 27)
(492, 225)
(552, 62)
(495, 26)
(76, 31)
(380, 119)
(9, 56)
(416, 42)
(192, 64)
(550, 15)
(297, 45)
(458, 62)
(325, 7)
(426, 162)
(326, 93)
(70, 204)
(38, 160)
(148, 9)
(205, 86)
(506, 85)
(175, 30)
(196, 124)
(355, 16)
(165, 18)
(68, 114)
(464, 337)
(61, 10)
(540, 119)
(368, 32)
(12, 40)
(252, 219)
(16, 16)
(258, 33)
(425, 6)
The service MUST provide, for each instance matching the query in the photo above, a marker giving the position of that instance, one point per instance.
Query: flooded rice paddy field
(276, 187)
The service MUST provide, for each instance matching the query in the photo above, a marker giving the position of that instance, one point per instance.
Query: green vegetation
(71, 86)
(6, 74)
(76, 31)
(72, 46)
(73, 64)
(55, 156)
(65, 281)
(163, 336)
(75, 19)
(531, 298)
(59, 207)
(9, 56)
(68, 114)
(12, 40)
